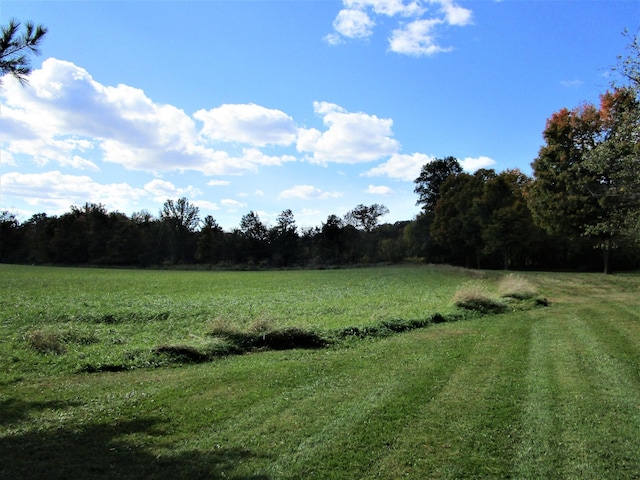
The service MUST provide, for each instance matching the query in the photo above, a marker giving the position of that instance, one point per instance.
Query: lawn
(531, 393)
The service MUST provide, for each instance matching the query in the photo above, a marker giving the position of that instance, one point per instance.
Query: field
(134, 374)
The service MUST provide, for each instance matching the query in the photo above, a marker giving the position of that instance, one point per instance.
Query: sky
(311, 105)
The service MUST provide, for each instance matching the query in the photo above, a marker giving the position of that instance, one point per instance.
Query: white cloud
(162, 190)
(353, 23)
(7, 159)
(205, 205)
(63, 115)
(55, 192)
(470, 164)
(307, 192)
(218, 183)
(416, 38)
(389, 8)
(305, 212)
(232, 204)
(401, 167)
(350, 137)
(417, 28)
(455, 14)
(379, 190)
(571, 83)
(247, 123)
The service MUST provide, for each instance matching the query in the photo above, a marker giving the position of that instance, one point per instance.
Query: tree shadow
(14, 411)
(107, 450)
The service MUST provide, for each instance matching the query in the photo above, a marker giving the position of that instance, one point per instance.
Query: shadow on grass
(14, 411)
(113, 451)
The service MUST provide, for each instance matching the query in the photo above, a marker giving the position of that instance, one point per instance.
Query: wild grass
(476, 297)
(131, 313)
(516, 286)
(534, 393)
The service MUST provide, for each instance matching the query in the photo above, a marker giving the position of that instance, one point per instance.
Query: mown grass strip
(582, 413)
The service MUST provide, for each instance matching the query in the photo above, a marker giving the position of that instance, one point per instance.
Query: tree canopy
(432, 176)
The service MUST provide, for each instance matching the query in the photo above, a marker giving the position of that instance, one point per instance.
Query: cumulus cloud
(247, 123)
(351, 23)
(379, 190)
(218, 183)
(63, 115)
(232, 204)
(7, 159)
(470, 164)
(416, 38)
(419, 22)
(55, 192)
(307, 192)
(161, 190)
(350, 137)
(401, 167)
(206, 205)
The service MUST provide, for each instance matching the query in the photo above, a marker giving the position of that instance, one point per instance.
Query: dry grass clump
(222, 326)
(56, 341)
(515, 286)
(475, 297)
(44, 341)
(261, 325)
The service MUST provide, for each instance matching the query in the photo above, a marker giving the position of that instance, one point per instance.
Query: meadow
(531, 392)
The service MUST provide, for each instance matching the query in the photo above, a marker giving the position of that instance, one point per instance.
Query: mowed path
(550, 393)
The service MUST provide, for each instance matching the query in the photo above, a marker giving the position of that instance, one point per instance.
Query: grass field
(531, 393)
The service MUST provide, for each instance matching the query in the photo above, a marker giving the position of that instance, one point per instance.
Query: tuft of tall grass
(43, 341)
(475, 297)
(56, 341)
(516, 286)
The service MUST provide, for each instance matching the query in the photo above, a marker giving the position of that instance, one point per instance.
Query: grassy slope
(547, 393)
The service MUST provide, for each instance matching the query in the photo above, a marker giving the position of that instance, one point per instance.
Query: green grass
(535, 393)
(127, 314)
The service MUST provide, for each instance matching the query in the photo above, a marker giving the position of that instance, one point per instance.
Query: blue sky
(310, 105)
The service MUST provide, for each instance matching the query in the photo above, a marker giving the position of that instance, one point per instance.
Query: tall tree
(586, 176)
(10, 237)
(255, 236)
(210, 241)
(430, 181)
(457, 223)
(284, 239)
(181, 219)
(559, 196)
(15, 48)
(366, 217)
(508, 229)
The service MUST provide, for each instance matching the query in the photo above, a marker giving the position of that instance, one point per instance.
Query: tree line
(579, 210)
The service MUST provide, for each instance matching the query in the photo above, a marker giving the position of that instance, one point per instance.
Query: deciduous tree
(432, 177)
(181, 218)
(366, 217)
